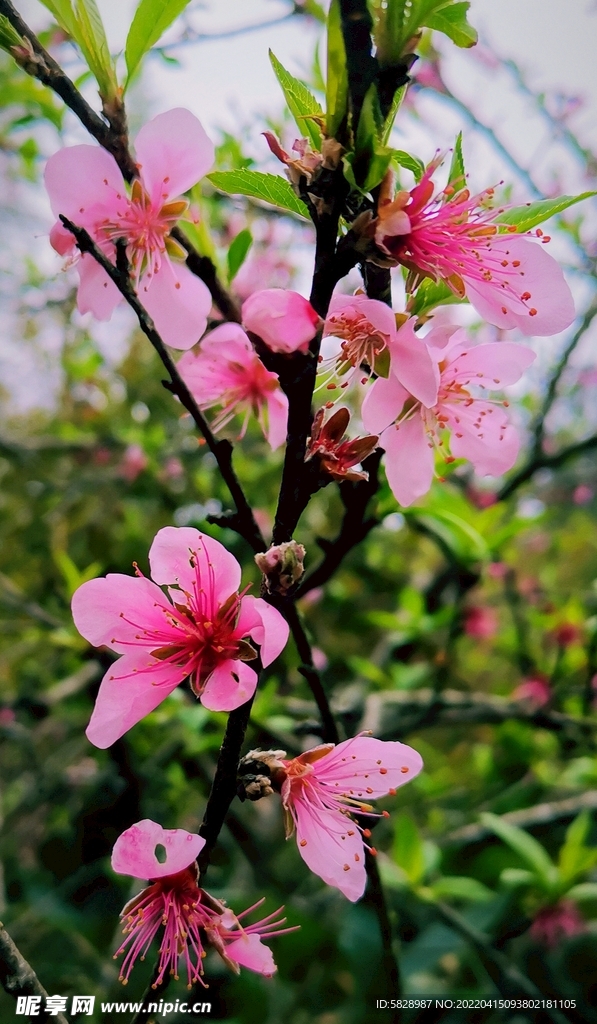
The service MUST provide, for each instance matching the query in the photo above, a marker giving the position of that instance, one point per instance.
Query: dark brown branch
(18, 978)
(375, 898)
(243, 520)
(112, 136)
(329, 733)
(527, 817)
(544, 461)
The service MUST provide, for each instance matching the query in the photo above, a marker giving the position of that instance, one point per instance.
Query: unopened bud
(282, 566)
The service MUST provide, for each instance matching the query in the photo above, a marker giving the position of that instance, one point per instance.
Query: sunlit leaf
(526, 846)
(270, 188)
(237, 253)
(531, 214)
(149, 23)
(302, 104)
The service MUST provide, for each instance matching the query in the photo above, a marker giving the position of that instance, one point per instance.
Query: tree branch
(19, 979)
(527, 817)
(329, 733)
(544, 461)
(243, 520)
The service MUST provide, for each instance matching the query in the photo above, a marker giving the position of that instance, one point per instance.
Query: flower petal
(130, 689)
(270, 632)
(170, 561)
(382, 404)
(379, 314)
(134, 850)
(249, 951)
(414, 366)
(284, 320)
(330, 845)
(178, 302)
(277, 418)
(97, 293)
(78, 177)
(116, 610)
(481, 433)
(539, 275)
(231, 684)
(492, 365)
(409, 460)
(173, 152)
(378, 766)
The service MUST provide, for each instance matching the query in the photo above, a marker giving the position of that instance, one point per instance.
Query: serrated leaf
(409, 162)
(451, 20)
(431, 294)
(270, 188)
(457, 174)
(237, 253)
(337, 74)
(526, 846)
(149, 23)
(302, 104)
(392, 112)
(532, 214)
(461, 888)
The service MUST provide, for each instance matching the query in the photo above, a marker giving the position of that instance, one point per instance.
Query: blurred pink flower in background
(480, 622)
(133, 462)
(201, 631)
(85, 184)
(557, 922)
(226, 371)
(583, 494)
(535, 690)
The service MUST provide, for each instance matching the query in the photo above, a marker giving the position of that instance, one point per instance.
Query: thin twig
(307, 669)
(544, 461)
(527, 817)
(18, 978)
(243, 521)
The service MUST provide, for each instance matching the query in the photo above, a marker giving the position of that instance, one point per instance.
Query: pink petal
(492, 365)
(130, 689)
(249, 951)
(378, 766)
(409, 460)
(382, 404)
(134, 850)
(492, 446)
(328, 849)
(178, 302)
(414, 366)
(78, 177)
(116, 610)
(271, 631)
(284, 320)
(231, 684)
(538, 274)
(173, 152)
(61, 240)
(277, 418)
(170, 562)
(227, 339)
(97, 293)
(379, 315)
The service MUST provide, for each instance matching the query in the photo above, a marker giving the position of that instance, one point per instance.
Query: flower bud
(282, 566)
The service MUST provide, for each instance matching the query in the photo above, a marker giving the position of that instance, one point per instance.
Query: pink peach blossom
(367, 331)
(201, 630)
(84, 184)
(452, 236)
(186, 912)
(481, 623)
(535, 690)
(324, 785)
(284, 320)
(226, 371)
(133, 462)
(410, 431)
(556, 922)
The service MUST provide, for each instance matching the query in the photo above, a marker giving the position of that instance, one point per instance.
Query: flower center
(146, 228)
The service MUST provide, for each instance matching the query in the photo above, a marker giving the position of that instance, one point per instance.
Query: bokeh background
(466, 627)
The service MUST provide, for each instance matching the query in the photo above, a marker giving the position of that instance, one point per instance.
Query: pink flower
(227, 372)
(535, 691)
(186, 912)
(284, 320)
(481, 623)
(510, 281)
(367, 329)
(85, 185)
(200, 630)
(479, 429)
(133, 462)
(320, 789)
(557, 922)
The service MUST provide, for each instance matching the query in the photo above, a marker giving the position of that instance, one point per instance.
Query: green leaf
(336, 99)
(81, 19)
(237, 252)
(574, 857)
(302, 104)
(430, 294)
(371, 159)
(528, 216)
(459, 887)
(392, 112)
(450, 18)
(151, 20)
(515, 877)
(584, 891)
(8, 35)
(410, 163)
(270, 188)
(462, 539)
(527, 848)
(457, 174)
(408, 849)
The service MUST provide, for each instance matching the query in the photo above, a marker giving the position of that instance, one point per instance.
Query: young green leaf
(337, 75)
(8, 35)
(527, 848)
(408, 849)
(392, 112)
(81, 20)
(149, 23)
(409, 162)
(575, 857)
(450, 18)
(430, 294)
(457, 173)
(532, 214)
(302, 104)
(459, 887)
(237, 253)
(270, 188)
